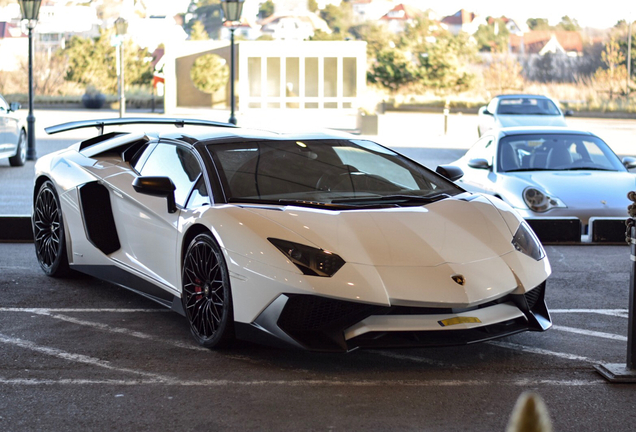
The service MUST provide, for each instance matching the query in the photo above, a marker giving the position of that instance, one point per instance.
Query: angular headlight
(526, 241)
(539, 202)
(310, 260)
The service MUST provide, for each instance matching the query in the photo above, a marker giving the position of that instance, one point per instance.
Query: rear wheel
(48, 232)
(206, 293)
(20, 156)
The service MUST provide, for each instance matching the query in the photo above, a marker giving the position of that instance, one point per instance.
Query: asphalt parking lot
(81, 354)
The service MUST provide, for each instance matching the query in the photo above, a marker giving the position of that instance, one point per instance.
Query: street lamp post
(232, 12)
(629, 55)
(30, 10)
(121, 28)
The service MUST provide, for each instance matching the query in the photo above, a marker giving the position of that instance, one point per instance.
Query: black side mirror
(451, 172)
(14, 106)
(157, 186)
(484, 110)
(479, 163)
(568, 113)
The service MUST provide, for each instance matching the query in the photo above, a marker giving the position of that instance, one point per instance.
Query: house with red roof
(463, 21)
(402, 15)
(542, 42)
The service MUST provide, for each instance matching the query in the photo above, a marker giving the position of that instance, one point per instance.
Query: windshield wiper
(561, 169)
(334, 205)
(308, 203)
(587, 169)
(402, 199)
(528, 169)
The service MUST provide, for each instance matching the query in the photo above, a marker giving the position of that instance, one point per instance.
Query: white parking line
(590, 333)
(533, 350)
(120, 330)
(73, 310)
(309, 383)
(153, 379)
(77, 358)
(622, 313)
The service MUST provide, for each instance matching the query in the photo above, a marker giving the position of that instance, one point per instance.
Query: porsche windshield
(566, 152)
(341, 172)
(527, 106)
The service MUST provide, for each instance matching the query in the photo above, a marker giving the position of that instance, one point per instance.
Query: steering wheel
(331, 179)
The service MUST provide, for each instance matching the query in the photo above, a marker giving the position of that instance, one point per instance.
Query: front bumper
(323, 324)
(571, 230)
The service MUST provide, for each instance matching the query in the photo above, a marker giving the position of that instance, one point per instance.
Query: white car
(520, 110)
(316, 241)
(13, 136)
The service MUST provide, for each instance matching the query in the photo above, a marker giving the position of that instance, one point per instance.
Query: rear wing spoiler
(100, 124)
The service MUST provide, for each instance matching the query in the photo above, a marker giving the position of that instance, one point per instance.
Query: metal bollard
(445, 120)
(618, 372)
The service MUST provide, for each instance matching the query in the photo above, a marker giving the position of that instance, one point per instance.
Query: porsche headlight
(526, 242)
(310, 260)
(538, 201)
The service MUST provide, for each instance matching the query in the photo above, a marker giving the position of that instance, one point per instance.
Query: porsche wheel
(206, 293)
(20, 156)
(48, 232)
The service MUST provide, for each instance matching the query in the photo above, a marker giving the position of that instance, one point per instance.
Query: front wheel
(20, 155)
(206, 293)
(48, 232)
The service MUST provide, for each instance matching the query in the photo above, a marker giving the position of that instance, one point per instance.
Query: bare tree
(503, 73)
(612, 77)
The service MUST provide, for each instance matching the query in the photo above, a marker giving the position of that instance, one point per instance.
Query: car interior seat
(559, 156)
(509, 160)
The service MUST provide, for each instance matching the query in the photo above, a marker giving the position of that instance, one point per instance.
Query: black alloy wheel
(48, 232)
(206, 293)
(20, 156)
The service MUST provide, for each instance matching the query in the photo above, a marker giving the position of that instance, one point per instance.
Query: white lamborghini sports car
(318, 241)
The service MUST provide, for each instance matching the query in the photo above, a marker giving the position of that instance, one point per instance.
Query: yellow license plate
(458, 320)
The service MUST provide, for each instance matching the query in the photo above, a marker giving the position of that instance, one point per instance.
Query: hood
(447, 231)
(585, 189)
(530, 120)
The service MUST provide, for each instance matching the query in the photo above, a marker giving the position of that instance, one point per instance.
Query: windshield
(342, 172)
(555, 152)
(527, 106)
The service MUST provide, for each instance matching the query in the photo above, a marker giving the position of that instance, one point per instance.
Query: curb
(16, 229)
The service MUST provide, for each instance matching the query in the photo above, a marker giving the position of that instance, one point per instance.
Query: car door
(6, 149)
(148, 230)
(12, 129)
(487, 118)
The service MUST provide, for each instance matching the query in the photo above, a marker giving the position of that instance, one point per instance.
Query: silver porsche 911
(561, 179)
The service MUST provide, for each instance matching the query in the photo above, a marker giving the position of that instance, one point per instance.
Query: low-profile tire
(20, 156)
(48, 232)
(206, 293)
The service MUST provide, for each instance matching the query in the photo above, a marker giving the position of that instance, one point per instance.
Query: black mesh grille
(307, 313)
(534, 295)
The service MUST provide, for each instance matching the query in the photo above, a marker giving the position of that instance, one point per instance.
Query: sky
(597, 14)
